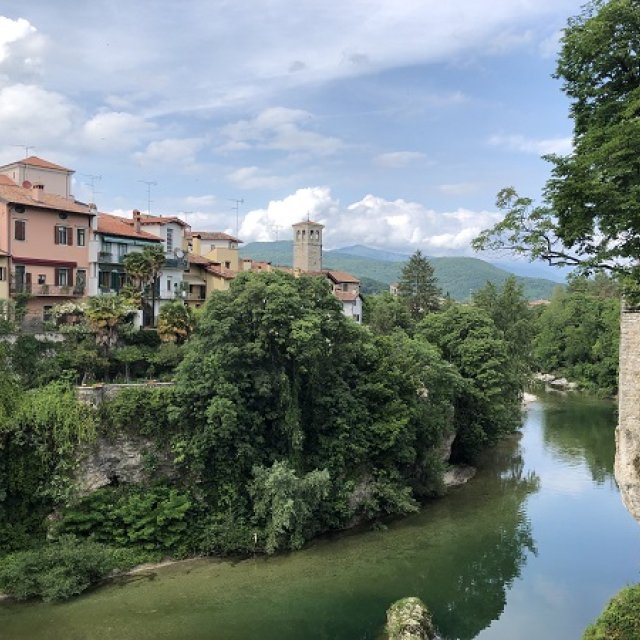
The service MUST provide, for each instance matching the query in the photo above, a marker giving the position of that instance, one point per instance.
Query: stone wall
(627, 466)
(97, 393)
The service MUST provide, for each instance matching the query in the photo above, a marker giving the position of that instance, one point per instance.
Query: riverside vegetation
(286, 420)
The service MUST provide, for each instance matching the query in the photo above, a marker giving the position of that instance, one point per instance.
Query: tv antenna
(149, 183)
(272, 227)
(26, 148)
(236, 206)
(92, 185)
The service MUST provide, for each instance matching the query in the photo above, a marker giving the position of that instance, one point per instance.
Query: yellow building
(202, 277)
(217, 247)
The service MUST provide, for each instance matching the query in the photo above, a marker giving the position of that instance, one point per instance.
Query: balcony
(176, 263)
(105, 257)
(47, 290)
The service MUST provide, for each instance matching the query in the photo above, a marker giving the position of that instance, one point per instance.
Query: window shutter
(69, 236)
(70, 276)
(55, 236)
(57, 277)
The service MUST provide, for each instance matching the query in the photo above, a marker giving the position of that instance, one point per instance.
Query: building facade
(46, 238)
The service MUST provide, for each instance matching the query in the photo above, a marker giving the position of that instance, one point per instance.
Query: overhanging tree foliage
(590, 214)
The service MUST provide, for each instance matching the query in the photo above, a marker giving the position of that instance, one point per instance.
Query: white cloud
(254, 178)
(281, 129)
(398, 159)
(115, 130)
(561, 145)
(171, 151)
(28, 112)
(372, 221)
(11, 31)
(550, 45)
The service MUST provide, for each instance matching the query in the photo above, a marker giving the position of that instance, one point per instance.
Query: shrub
(620, 620)
(61, 569)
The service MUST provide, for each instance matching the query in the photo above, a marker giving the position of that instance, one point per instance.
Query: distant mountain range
(377, 269)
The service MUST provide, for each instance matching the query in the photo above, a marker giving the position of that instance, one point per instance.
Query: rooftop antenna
(92, 185)
(273, 228)
(236, 206)
(26, 148)
(149, 183)
(185, 214)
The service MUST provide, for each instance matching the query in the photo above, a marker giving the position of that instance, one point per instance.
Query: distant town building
(307, 246)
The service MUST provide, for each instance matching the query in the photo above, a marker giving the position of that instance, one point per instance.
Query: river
(531, 548)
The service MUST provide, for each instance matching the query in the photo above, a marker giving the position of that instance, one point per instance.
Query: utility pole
(149, 183)
(236, 206)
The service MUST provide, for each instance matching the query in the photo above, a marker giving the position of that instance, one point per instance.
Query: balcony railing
(176, 263)
(47, 290)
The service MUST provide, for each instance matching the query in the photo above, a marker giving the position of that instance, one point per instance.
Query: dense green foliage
(578, 335)
(61, 569)
(417, 286)
(620, 620)
(458, 276)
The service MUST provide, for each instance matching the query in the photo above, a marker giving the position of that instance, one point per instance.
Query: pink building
(45, 235)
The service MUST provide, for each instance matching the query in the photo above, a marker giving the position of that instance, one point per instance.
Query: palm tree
(105, 315)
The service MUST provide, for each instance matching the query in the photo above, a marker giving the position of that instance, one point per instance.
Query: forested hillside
(458, 276)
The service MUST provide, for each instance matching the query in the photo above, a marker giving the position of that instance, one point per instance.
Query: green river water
(531, 548)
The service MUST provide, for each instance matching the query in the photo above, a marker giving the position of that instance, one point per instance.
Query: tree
(105, 315)
(590, 214)
(175, 322)
(417, 286)
(385, 313)
(510, 312)
(143, 269)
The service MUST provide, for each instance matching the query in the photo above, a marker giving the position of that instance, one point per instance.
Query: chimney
(136, 219)
(37, 190)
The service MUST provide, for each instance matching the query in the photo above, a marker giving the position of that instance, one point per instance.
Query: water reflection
(580, 431)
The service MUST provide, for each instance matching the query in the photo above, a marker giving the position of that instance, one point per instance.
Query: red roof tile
(19, 195)
(346, 296)
(342, 276)
(34, 161)
(194, 258)
(117, 226)
(7, 181)
(211, 235)
(303, 222)
(157, 220)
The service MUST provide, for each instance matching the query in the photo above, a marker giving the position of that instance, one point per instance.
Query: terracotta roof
(346, 296)
(157, 220)
(19, 195)
(117, 226)
(303, 222)
(227, 274)
(211, 235)
(194, 258)
(342, 276)
(7, 181)
(34, 161)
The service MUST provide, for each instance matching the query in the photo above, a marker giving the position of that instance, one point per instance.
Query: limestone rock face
(627, 466)
(409, 619)
(123, 459)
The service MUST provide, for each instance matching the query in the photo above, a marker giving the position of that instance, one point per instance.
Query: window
(122, 249)
(227, 265)
(20, 230)
(168, 284)
(81, 237)
(81, 280)
(46, 313)
(42, 278)
(63, 235)
(3, 273)
(104, 278)
(169, 240)
(63, 277)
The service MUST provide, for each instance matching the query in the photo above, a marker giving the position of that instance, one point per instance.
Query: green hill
(457, 275)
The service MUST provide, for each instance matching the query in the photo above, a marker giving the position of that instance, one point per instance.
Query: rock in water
(409, 619)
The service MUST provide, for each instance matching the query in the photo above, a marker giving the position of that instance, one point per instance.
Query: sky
(392, 122)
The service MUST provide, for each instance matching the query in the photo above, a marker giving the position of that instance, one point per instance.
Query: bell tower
(307, 246)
